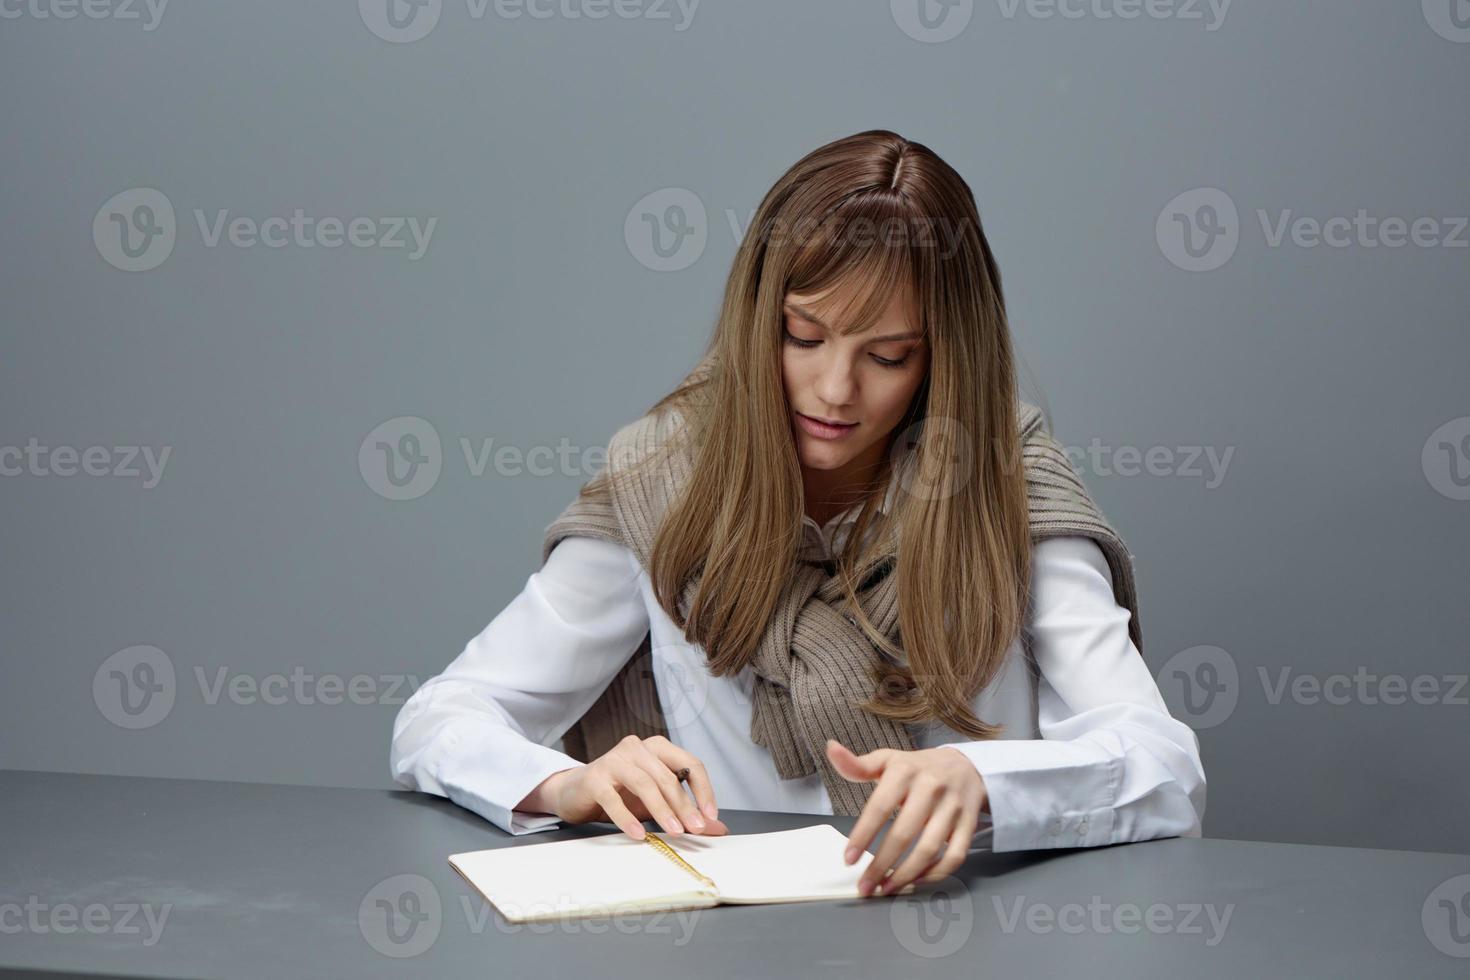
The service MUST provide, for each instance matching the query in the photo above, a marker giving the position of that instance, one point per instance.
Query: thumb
(857, 768)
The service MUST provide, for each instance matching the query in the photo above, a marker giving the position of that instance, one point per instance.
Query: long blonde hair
(881, 213)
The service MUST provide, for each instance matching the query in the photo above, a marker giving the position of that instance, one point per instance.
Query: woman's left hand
(941, 796)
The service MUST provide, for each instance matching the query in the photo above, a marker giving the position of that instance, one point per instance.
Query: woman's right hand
(634, 781)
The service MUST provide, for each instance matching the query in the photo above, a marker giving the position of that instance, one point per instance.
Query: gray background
(1329, 547)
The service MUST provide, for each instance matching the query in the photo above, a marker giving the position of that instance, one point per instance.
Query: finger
(674, 757)
(607, 796)
(686, 816)
(886, 795)
(854, 767)
(915, 813)
(643, 785)
(958, 849)
(931, 847)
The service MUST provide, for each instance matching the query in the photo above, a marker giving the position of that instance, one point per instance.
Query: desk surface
(189, 878)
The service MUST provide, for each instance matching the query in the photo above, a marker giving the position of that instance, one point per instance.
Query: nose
(836, 384)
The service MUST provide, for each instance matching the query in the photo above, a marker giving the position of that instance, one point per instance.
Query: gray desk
(162, 877)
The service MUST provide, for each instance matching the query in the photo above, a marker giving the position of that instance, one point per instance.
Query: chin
(822, 456)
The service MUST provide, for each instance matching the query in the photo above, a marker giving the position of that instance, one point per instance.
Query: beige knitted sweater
(812, 667)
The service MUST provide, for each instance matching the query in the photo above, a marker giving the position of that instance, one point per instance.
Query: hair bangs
(867, 244)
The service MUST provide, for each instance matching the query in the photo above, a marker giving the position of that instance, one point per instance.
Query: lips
(823, 430)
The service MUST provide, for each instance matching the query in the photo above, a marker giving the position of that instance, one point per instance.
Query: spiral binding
(663, 848)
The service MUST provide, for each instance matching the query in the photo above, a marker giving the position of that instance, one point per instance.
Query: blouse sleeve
(480, 732)
(1112, 764)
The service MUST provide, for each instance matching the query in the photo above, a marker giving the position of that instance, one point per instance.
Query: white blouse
(1089, 756)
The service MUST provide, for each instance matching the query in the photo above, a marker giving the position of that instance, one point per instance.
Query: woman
(841, 568)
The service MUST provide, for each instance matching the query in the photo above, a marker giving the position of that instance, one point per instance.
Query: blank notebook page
(782, 866)
(610, 870)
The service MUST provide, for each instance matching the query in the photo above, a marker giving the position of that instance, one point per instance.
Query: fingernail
(864, 887)
(709, 811)
(850, 855)
(878, 890)
(678, 827)
(696, 821)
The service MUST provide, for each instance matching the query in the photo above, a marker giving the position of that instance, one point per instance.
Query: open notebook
(614, 873)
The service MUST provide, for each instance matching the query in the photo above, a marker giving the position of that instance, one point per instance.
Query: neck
(828, 493)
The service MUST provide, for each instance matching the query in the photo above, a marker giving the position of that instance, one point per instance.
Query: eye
(797, 341)
(806, 344)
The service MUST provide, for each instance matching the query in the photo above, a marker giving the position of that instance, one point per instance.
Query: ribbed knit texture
(812, 666)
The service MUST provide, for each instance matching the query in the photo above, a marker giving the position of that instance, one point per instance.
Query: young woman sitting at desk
(841, 569)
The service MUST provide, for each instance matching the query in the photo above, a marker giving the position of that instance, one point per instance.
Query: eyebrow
(806, 314)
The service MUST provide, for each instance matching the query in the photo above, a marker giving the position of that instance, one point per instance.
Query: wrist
(546, 796)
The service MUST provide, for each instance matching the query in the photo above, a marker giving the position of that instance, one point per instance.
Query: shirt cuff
(1042, 795)
(491, 774)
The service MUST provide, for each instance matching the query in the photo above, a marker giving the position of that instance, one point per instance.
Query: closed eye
(806, 344)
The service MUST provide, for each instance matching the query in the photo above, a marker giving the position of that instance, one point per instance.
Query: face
(867, 379)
